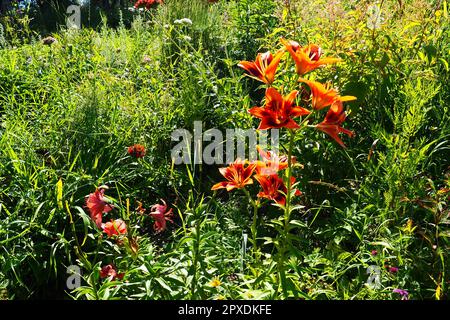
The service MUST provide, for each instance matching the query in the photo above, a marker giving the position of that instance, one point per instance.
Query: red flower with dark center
(306, 58)
(279, 111)
(110, 271)
(264, 67)
(332, 123)
(97, 205)
(115, 227)
(237, 175)
(161, 215)
(274, 188)
(137, 151)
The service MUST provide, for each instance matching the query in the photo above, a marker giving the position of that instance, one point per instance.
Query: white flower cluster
(184, 22)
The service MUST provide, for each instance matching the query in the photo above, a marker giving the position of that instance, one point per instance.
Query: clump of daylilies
(98, 204)
(281, 110)
(239, 174)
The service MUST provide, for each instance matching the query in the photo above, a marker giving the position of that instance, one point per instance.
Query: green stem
(80, 254)
(194, 280)
(195, 262)
(254, 230)
(77, 248)
(253, 227)
(287, 214)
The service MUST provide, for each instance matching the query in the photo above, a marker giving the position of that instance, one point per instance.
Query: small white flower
(186, 21)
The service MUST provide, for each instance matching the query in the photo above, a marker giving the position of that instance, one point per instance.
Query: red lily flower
(274, 188)
(115, 227)
(237, 175)
(161, 215)
(110, 271)
(332, 123)
(272, 163)
(324, 95)
(264, 67)
(97, 205)
(137, 151)
(278, 111)
(147, 3)
(306, 58)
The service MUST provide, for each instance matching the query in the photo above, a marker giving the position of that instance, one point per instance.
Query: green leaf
(163, 284)
(382, 243)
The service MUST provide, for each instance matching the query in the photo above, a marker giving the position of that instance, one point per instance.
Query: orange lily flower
(110, 271)
(264, 67)
(98, 204)
(272, 163)
(332, 123)
(307, 58)
(115, 227)
(324, 95)
(161, 215)
(274, 188)
(237, 175)
(278, 111)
